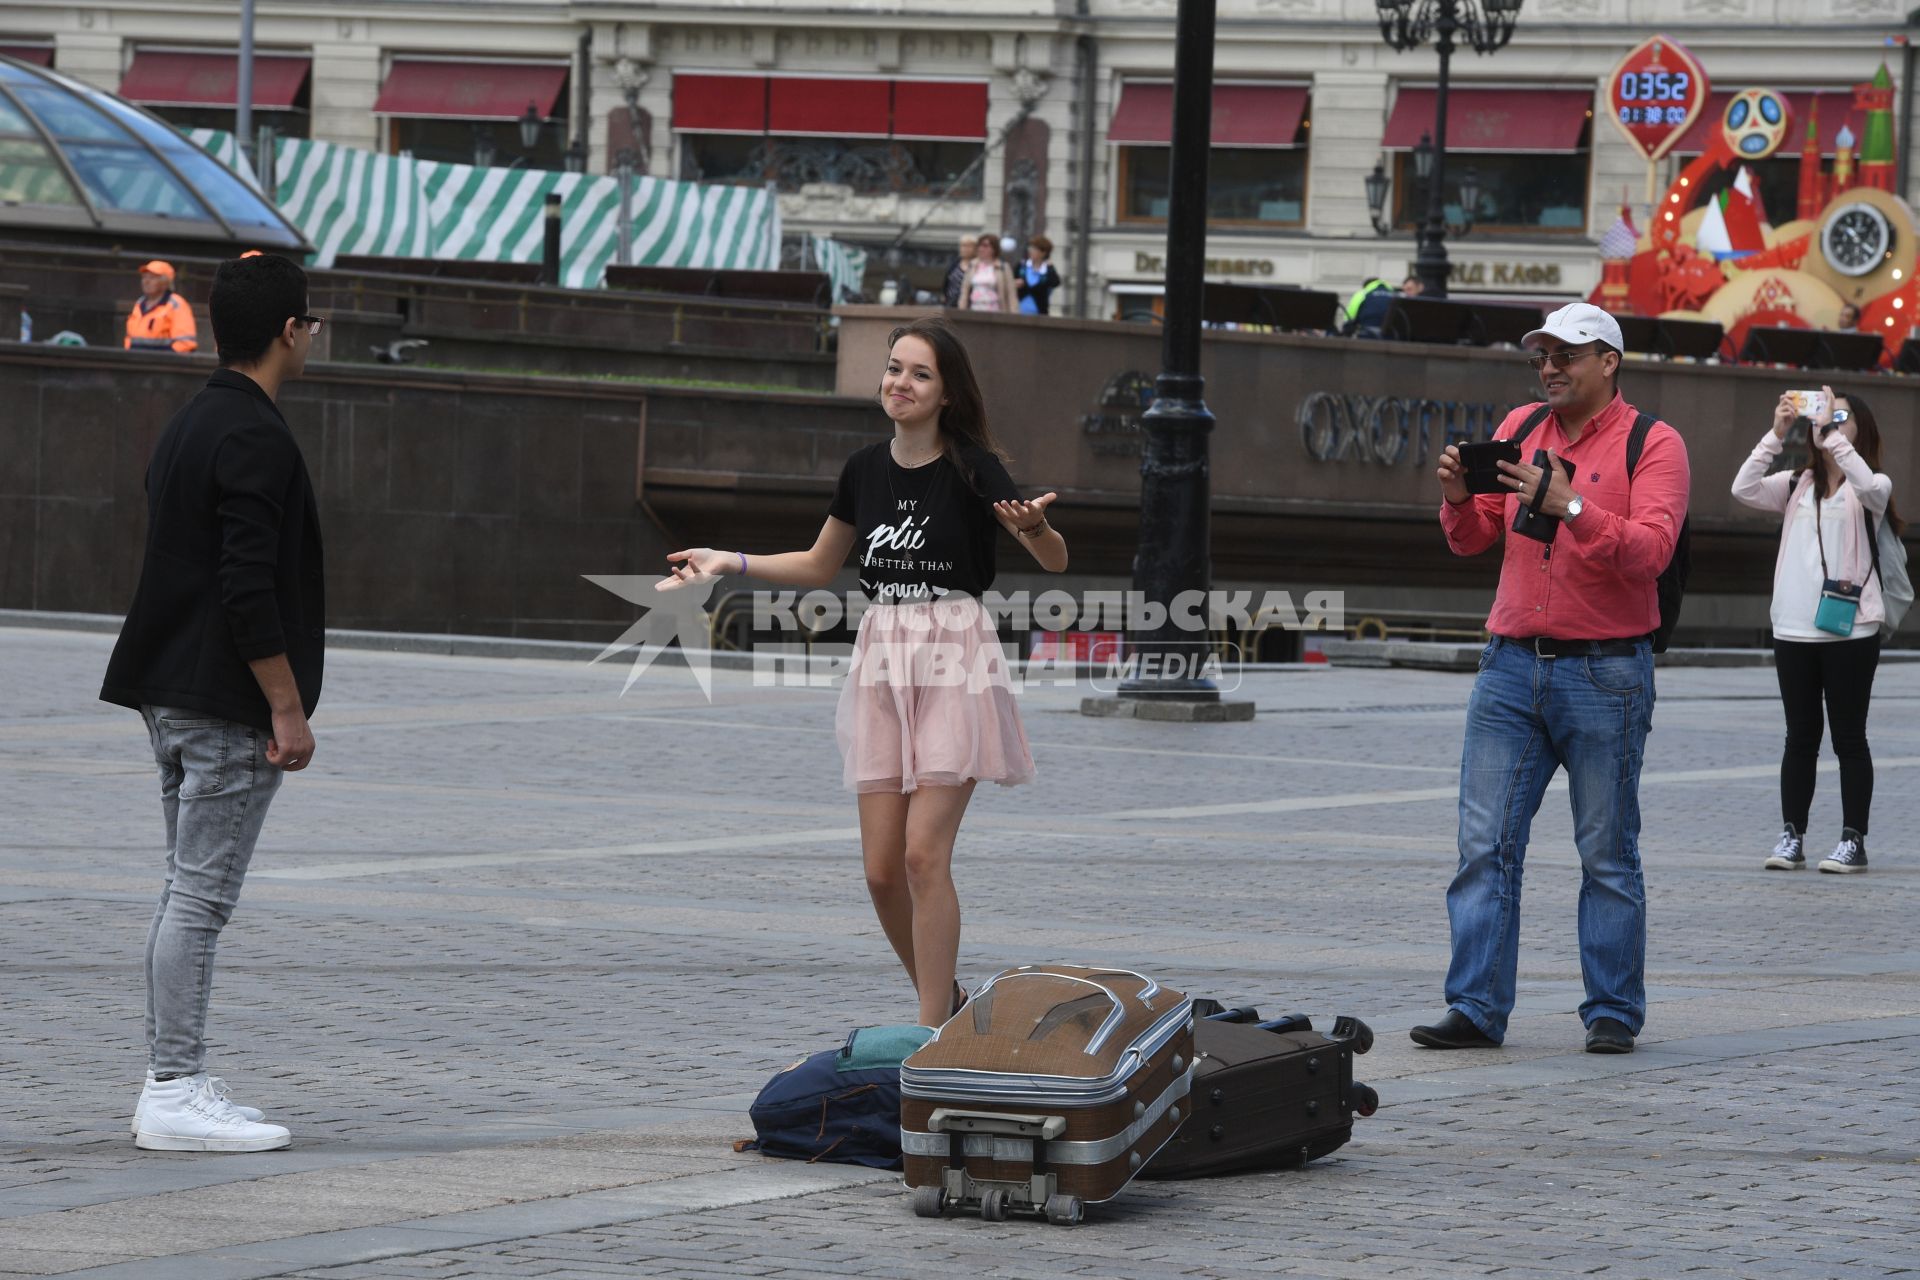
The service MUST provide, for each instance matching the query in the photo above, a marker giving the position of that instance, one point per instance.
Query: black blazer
(1042, 293)
(232, 569)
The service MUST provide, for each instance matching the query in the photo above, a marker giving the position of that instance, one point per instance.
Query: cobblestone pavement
(517, 951)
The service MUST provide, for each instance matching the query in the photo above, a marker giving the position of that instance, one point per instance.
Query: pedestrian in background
(1566, 680)
(957, 271)
(1365, 312)
(221, 653)
(1826, 647)
(1038, 279)
(989, 280)
(161, 320)
(927, 710)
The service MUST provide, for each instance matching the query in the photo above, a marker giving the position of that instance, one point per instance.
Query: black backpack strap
(1534, 419)
(1637, 440)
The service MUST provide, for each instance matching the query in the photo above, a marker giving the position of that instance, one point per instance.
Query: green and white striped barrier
(843, 264)
(352, 202)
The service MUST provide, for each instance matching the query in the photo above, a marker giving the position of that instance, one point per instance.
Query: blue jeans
(215, 785)
(1527, 717)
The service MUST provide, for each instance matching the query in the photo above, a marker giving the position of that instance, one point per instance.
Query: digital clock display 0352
(1655, 86)
(1655, 92)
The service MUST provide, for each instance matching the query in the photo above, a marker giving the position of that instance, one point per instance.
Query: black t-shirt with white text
(922, 532)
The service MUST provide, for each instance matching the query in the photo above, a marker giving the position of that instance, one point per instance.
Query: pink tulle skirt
(929, 701)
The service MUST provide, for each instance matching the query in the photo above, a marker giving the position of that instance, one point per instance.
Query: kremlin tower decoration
(1722, 257)
(1875, 98)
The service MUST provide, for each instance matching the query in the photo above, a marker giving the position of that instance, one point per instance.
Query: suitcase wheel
(993, 1205)
(929, 1202)
(1366, 1099)
(1065, 1211)
(1352, 1029)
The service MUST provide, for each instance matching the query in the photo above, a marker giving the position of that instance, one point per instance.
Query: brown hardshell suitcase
(1267, 1095)
(1047, 1092)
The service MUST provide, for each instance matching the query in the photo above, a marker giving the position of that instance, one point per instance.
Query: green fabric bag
(872, 1048)
(1839, 601)
(1839, 606)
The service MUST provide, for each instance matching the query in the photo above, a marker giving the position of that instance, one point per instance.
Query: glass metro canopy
(74, 157)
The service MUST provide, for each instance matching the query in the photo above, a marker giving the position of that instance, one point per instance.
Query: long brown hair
(1866, 442)
(963, 418)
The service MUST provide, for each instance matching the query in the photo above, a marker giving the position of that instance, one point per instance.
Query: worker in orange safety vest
(161, 320)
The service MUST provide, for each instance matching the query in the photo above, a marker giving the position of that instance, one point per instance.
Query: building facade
(900, 125)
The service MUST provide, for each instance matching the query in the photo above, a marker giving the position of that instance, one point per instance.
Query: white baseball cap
(1579, 322)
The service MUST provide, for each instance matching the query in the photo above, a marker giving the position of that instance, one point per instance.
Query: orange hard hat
(158, 268)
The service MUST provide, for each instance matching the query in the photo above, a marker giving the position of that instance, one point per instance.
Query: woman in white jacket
(1817, 665)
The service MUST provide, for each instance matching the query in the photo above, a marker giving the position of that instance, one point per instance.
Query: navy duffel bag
(840, 1106)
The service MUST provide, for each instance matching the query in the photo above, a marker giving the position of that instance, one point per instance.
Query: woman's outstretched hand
(698, 564)
(1024, 514)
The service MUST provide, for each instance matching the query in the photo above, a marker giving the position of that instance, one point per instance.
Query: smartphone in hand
(1809, 404)
(1480, 464)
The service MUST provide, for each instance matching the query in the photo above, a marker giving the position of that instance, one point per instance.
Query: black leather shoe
(1609, 1035)
(1455, 1031)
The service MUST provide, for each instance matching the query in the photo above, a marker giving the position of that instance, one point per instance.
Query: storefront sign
(1390, 431)
(1655, 93)
(1154, 264)
(1511, 274)
(1334, 426)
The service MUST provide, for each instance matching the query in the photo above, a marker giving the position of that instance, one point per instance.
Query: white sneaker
(254, 1114)
(188, 1114)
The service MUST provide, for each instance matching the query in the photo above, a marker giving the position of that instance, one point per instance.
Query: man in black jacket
(221, 653)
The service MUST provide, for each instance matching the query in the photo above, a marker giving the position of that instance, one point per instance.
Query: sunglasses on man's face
(1559, 359)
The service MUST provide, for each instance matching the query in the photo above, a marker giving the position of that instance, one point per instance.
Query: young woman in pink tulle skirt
(928, 708)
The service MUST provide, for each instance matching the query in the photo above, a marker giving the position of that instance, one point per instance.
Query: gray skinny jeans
(215, 786)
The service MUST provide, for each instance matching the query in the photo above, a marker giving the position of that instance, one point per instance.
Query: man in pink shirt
(1567, 680)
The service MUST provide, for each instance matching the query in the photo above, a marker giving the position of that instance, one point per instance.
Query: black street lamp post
(1486, 25)
(1173, 559)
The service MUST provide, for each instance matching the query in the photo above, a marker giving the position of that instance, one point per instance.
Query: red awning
(1244, 115)
(1835, 106)
(41, 55)
(1493, 119)
(164, 79)
(720, 104)
(940, 109)
(471, 90)
(829, 108)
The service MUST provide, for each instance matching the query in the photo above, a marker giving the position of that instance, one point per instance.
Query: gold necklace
(894, 454)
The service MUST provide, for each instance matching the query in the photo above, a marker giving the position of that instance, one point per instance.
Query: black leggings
(1841, 673)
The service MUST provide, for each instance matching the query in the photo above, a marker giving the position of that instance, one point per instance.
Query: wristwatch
(1575, 506)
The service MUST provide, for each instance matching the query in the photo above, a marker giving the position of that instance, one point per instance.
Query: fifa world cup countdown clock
(1655, 94)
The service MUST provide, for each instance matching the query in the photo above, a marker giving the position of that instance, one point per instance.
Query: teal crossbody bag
(1839, 599)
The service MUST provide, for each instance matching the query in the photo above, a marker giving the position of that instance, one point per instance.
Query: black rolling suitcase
(1266, 1095)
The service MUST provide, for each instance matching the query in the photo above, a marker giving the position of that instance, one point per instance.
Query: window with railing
(878, 137)
(1256, 167)
(1530, 150)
